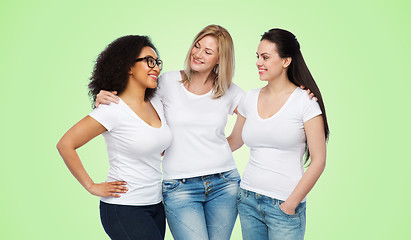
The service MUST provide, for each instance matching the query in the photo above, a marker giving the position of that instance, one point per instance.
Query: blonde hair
(224, 71)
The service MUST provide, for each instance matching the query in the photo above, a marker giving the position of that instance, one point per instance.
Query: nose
(197, 53)
(157, 68)
(259, 62)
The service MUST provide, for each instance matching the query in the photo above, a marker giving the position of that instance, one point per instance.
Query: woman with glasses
(201, 180)
(281, 124)
(136, 133)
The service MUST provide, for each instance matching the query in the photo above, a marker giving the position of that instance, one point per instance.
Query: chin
(152, 85)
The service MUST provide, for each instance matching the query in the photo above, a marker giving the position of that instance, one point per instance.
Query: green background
(358, 52)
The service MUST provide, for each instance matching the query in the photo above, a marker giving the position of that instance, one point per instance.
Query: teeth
(197, 61)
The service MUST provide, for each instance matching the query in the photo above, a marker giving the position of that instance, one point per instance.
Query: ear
(130, 72)
(287, 62)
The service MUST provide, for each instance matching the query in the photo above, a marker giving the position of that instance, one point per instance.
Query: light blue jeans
(262, 218)
(202, 208)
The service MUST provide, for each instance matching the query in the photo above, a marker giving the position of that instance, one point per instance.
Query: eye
(209, 53)
(197, 45)
(265, 58)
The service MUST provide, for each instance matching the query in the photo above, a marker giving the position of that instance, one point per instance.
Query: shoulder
(252, 92)
(303, 97)
(107, 108)
(249, 94)
(171, 75)
(234, 90)
(155, 100)
(168, 79)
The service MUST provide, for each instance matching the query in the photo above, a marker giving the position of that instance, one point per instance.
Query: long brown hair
(298, 72)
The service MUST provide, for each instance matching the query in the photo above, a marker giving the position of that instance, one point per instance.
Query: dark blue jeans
(133, 222)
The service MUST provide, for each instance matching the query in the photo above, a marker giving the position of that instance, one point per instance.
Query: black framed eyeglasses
(151, 62)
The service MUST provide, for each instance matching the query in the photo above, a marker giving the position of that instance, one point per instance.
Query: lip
(261, 71)
(196, 61)
(153, 76)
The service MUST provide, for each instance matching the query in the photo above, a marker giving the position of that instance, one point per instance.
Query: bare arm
(314, 130)
(82, 132)
(235, 139)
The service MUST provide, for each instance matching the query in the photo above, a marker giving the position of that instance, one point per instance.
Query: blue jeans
(262, 218)
(133, 222)
(202, 208)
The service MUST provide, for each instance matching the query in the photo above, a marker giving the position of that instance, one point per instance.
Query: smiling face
(269, 63)
(204, 54)
(141, 73)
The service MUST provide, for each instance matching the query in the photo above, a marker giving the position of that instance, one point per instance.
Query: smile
(197, 61)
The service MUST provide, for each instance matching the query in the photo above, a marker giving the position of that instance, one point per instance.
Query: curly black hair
(110, 72)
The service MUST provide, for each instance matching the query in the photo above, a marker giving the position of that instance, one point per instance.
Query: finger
(302, 86)
(311, 95)
(121, 190)
(112, 98)
(114, 92)
(119, 183)
(97, 104)
(115, 195)
(316, 99)
(105, 102)
(308, 91)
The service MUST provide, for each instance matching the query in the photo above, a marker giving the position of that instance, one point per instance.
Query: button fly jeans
(262, 218)
(202, 208)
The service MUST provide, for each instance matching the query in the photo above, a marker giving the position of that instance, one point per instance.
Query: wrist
(291, 203)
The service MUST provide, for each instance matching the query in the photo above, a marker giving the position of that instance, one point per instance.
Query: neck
(201, 77)
(133, 93)
(279, 85)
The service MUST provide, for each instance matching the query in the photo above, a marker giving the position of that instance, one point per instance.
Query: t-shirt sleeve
(236, 94)
(242, 105)
(106, 115)
(311, 109)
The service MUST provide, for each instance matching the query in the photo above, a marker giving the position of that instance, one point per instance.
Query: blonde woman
(201, 180)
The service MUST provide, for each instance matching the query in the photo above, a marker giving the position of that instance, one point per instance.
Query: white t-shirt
(134, 151)
(277, 144)
(199, 145)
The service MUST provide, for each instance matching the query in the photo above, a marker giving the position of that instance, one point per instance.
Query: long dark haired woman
(281, 124)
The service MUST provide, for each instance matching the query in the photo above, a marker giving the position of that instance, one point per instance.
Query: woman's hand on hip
(108, 189)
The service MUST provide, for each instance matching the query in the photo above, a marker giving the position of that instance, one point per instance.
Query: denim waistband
(202, 178)
(259, 196)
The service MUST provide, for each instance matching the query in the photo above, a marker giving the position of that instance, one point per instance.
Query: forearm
(306, 183)
(235, 142)
(73, 163)
(235, 139)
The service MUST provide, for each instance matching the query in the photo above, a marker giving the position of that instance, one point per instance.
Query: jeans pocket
(231, 176)
(170, 186)
(295, 215)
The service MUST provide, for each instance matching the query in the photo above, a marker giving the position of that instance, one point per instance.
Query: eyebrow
(264, 53)
(210, 49)
(206, 48)
(149, 55)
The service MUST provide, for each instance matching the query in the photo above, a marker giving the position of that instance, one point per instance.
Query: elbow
(318, 163)
(63, 145)
(60, 145)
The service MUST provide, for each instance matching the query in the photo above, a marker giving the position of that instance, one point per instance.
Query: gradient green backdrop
(358, 52)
